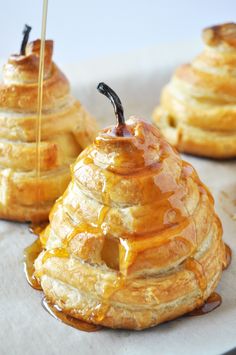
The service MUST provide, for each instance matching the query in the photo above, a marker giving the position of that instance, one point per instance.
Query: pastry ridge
(123, 264)
(66, 129)
(197, 111)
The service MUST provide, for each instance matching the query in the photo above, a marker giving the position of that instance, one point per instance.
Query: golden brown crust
(66, 129)
(215, 35)
(198, 107)
(134, 241)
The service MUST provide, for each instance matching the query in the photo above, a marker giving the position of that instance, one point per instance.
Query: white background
(87, 29)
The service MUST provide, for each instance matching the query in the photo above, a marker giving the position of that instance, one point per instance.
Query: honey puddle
(213, 302)
(30, 255)
(56, 313)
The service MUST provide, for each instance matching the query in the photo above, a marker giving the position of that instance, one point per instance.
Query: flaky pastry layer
(66, 129)
(134, 241)
(197, 111)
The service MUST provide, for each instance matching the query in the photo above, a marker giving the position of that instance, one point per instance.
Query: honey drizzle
(213, 302)
(228, 257)
(32, 252)
(36, 229)
(58, 314)
(196, 268)
(40, 96)
(30, 255)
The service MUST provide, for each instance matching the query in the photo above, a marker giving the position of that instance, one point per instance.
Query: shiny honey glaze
(30, 255)
(56, 312)
(228, 252)
(37, 228)
(213, 302)
(166, 186)
(193, 265)
(132, 244)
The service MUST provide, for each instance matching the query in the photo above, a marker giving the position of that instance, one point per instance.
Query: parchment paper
(26, 329)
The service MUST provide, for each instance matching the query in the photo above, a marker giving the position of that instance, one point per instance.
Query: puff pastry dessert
(66, 129)
(134, 241)
(197, 111)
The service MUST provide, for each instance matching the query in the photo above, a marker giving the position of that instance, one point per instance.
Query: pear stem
(26, 33)
(118, 108)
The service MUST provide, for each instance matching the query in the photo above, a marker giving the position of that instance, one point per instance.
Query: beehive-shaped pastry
(197, 112)
(66, 129)
(134, 241)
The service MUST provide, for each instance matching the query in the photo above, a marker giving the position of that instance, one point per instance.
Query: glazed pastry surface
(134, 241)
(66, 129)
(197, 112)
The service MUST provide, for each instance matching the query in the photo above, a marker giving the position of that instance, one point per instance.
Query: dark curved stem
(26, 33)
(115, 100)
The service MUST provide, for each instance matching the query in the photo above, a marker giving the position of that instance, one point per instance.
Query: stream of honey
(31, 253)
(40, 95)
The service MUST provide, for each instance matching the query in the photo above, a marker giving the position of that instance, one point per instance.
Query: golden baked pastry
(197, 112)
(134, 241)
(66, 129)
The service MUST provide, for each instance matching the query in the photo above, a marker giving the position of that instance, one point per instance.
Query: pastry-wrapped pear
(134, 241)
(197, 112)
(66, 129)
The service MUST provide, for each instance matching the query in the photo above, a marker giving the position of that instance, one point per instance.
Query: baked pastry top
(197, 111)
(134, 241)
(66, 128)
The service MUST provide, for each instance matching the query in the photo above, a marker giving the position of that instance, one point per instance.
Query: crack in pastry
(66, 129)
(134, 241)
(197, 111)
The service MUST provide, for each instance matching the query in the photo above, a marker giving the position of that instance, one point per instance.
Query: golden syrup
(57, 252)
(102, 215)
(213, 302)
(99, 313)
(228, 253)
(40, 96)
(30, 254)
(36, 229)
(194, 266)
(57, 313)
(85, 227)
